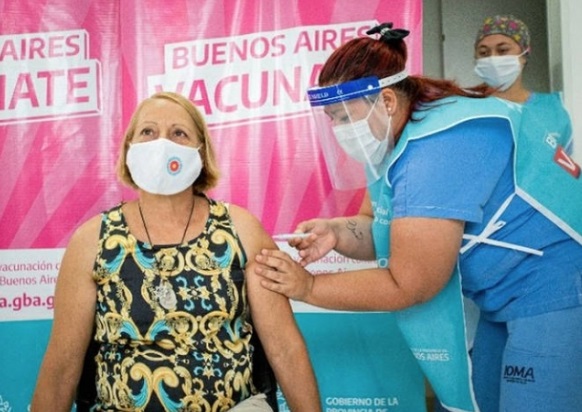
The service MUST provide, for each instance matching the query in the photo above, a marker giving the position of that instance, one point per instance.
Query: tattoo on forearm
(352, 226)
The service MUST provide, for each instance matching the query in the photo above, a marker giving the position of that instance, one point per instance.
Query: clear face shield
(354, 129)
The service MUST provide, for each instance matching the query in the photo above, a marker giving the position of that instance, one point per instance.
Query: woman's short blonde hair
(210, 174)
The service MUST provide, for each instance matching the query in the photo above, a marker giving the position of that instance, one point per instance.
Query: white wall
(571, 33)
(432, 44)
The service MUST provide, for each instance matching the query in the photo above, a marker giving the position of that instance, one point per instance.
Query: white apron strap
(493, 226)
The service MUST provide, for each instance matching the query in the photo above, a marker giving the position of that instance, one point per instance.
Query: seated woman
(159, 284)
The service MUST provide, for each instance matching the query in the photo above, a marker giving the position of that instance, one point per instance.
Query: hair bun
(387, 33)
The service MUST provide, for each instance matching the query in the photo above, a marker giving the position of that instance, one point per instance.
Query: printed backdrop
(71, 74)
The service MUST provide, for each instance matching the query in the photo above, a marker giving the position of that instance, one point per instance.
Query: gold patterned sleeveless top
(172, 321)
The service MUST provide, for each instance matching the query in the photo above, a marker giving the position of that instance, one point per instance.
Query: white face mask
(499, 71)
(358, 141)
(163, 167)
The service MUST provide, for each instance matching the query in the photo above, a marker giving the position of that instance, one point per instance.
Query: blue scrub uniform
(521, 264)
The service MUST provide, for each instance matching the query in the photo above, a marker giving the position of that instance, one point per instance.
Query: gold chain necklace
(163, 293)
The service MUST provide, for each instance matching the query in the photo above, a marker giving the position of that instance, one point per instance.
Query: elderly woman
(159, 285)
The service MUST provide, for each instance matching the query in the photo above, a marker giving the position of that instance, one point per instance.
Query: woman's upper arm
(423, 254)
(250, 231)
(74, 312)
(266, 306)
(75, 293)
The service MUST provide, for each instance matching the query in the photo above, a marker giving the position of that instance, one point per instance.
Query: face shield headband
(354, 129)
(336, 93)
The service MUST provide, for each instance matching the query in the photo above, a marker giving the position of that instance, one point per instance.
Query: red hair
(365, 56)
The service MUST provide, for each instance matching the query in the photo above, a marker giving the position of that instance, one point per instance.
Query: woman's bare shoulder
(250, 230)
(83, 245)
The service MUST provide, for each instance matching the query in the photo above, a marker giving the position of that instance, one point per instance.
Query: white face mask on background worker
(501, 49)
(499, 72)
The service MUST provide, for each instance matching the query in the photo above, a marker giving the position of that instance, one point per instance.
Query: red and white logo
(566, 162)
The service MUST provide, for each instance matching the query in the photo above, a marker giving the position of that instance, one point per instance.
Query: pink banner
(249, 73)
(60, 120)
(72, 73)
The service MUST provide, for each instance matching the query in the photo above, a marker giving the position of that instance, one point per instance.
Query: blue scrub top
(466, 171)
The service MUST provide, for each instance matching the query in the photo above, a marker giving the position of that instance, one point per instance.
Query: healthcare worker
(451, 191)
(502, 51)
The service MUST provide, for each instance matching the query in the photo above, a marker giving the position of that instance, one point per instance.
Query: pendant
(166, 296)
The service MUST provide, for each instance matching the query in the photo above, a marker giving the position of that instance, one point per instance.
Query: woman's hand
(322, 240)
(281, 274)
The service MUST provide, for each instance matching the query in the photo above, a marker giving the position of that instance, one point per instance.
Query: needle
(288, 236)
